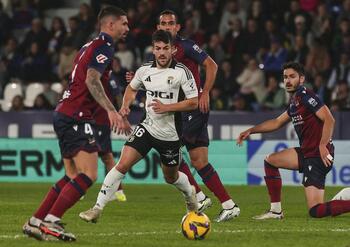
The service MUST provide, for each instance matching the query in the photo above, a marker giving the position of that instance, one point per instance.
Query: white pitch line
(227, 231)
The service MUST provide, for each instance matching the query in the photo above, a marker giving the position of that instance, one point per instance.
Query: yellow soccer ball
(195, 226)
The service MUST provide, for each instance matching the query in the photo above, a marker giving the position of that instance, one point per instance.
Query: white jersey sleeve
(188, 84)
(136, 82)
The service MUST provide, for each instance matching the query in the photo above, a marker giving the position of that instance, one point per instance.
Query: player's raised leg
(31, 227)
(129, 157)
(287, 159)
(204, 201)
(108, 160)
(173, 176)
(199, 159)
(344, 194)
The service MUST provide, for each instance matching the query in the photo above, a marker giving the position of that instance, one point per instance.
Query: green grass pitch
(151, 217)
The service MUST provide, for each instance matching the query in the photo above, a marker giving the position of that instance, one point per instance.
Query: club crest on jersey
(170, 80)
(101, 58)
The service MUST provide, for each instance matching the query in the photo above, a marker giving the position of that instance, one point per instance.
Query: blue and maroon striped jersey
(302, 110)
(77, 102)
(188, 53)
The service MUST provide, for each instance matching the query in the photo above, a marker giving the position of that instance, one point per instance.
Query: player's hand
(204, 102)
(158, 107)
(124, 111)
(242, 136)
(129, 76)
(115, 120)
(325, 155)
(124, 127)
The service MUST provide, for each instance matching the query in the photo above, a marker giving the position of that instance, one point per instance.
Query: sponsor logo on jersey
(197, 49)
(312, 102)
(148, 79)
(161, 95)
(101, 58)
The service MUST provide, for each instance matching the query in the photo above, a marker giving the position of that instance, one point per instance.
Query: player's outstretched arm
(97, 91)
(185, 105)
(211, 69)
(128, 98)
(267, 126)
(328, 126)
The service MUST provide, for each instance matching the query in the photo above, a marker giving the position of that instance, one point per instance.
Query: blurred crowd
(248, 39)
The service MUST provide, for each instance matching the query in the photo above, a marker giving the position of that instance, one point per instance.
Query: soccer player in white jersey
(162, 79)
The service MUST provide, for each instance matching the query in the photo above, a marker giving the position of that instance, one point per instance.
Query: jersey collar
(106, 37)
(172, 64)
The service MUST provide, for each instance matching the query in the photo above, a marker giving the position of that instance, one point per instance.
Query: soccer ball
(195, 226)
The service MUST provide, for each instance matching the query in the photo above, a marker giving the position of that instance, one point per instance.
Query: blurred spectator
(341, 37)
(345, 10)
(17, 104)
(318, 60)
(275, 98)
(22, 14)
(86, 18)
(5, 25)
(56, 35)
(300, 28)
(252, 40)
(41, 103)
(275, 58)
(231, 11)
(125, 55)
(292, 13)
(51, 96)
(66, 59)
(217, 101)
(214, 48)
(239, 103)
(76, 36)
(35, 66)
(190, 32)
(271, 33)
(37, 34)
(322, 24)
(299, 52)
(117, 80)
(10, 60)
(340, 73)
(341, 98)
(308, 5)
(226, 80)
(257, 12)
(319, 87)
(210, 18)
(252, 81)
(234, 45)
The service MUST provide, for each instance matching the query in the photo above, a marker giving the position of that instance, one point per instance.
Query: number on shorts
(139, 131)
(88, 129)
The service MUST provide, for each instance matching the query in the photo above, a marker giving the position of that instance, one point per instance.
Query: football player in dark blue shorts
(314, 124)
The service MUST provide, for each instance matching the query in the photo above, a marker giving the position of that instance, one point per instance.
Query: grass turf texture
(151, 217)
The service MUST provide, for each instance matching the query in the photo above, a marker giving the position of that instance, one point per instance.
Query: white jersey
(164, 85)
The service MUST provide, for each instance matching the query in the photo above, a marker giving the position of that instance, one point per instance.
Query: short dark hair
(168, 12)
(110, 11)
(161, 35)
(298, 67)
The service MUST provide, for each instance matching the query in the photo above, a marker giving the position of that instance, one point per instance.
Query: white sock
(228, 204)
(276, 207)
(183, 184)
(35, 221)
(51, 218)
(109, 187)
(200, 196)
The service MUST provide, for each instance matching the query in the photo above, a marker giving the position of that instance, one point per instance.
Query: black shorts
(195, 129)
(104, 138)
(314, 170)
(143, 142)
(74, 136)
